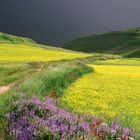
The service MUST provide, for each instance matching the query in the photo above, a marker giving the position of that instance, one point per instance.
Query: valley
(72, 84)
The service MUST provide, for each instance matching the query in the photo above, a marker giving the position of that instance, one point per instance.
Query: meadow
(27, 53)
(40, 72)
(14, 72)
(111, 90)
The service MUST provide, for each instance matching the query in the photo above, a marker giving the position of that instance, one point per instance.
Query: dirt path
(40, 68)
(4, 89)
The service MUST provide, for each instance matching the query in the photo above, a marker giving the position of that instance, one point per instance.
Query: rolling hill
(126, 42)
(13, 48)
(109, 86)
(6, 38)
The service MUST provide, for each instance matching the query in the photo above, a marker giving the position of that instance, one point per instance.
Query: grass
(6, 38)
(110, 90)
(12, 72)
(50, 81)
(118, 42)
(40, 70)
(54, 79)
(24, 53)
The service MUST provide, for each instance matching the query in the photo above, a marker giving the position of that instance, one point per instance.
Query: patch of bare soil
(6, 88)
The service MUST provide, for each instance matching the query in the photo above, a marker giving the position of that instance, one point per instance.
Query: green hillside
(83, 86)
(6, 38)
(13, 49)
(126, 42)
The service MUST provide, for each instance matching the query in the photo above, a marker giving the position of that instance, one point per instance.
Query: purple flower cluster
(35, 119)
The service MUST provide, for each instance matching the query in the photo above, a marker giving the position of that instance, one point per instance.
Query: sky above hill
(56, 21)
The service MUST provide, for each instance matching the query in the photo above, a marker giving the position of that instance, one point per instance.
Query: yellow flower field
(110, 90)
(17, 52)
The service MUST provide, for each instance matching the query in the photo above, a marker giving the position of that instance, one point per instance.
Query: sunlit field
(15, 52)
(124, 61)
(110, 90)
(35, 70)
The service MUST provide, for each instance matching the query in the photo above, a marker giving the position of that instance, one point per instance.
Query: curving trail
(110, 90)
(4, 89)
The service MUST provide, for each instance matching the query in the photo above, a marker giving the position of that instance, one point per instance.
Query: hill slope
(19, 52)
(6, 38)
(13, 48)
(125, 42)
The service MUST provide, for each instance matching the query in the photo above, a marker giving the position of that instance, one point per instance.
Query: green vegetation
(5, 38)
(11, 72)
(110, 88)
(99, 57)
(125, 42)
(51, 81)
(135, 53)
(54, 78)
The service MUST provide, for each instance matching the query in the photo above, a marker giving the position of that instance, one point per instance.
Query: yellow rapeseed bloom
(18, 52)
(110, 90)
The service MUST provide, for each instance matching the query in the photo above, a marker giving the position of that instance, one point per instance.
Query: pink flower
(36, 101)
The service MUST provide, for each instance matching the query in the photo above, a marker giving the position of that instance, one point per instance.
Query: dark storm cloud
(57, 21)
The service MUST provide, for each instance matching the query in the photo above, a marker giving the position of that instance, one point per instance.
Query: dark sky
(57, 21)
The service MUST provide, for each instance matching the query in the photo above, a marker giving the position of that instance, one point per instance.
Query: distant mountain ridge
(6, 38)
(126, 42)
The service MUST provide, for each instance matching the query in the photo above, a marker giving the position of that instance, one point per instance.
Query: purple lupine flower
(63, 136)
(75, 118)
(113, 131)
(54, 128)
(64, 128)
(72, 128)
(84, 126)
(42, 122)
(32, 113)
(126, 131)
(31, 128)
(45, 117)
(36, 101)
(114, 128)
(49, 100)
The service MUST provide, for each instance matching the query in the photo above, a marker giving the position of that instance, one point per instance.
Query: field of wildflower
(110, 90)
(35, 120)
(18, 52)
(87, 109)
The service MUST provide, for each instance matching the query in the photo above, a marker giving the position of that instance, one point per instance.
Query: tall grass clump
(54, 79)
(12, 72)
